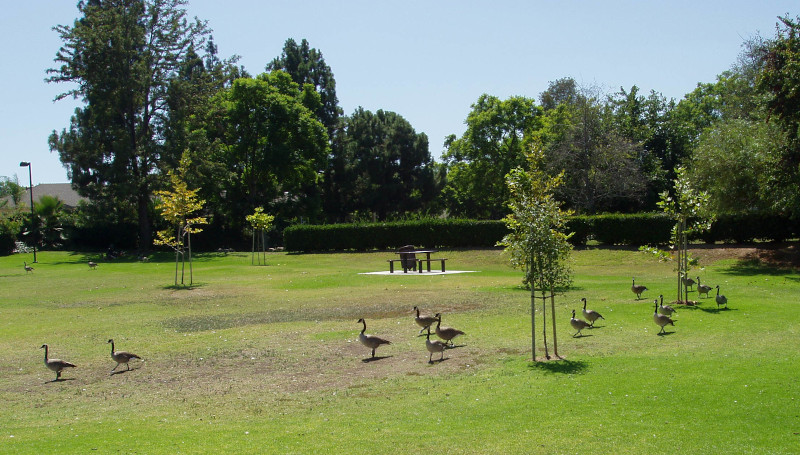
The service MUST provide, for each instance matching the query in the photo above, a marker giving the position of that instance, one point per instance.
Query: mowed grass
(265, 359)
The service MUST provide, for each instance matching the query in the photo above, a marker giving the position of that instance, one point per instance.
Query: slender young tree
(689, 208)
(537, 242)
(260, 222)
(177, 207)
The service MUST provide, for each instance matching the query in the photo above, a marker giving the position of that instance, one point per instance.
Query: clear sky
(427, 60)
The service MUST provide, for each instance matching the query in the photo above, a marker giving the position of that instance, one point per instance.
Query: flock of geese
(661, 317)
(661, 312)
(58, 365)
(425, 322)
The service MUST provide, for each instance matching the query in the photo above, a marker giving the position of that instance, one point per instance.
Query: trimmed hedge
(610, 229)
(433, 233)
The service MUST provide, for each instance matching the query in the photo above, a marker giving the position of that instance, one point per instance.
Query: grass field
(265, 359)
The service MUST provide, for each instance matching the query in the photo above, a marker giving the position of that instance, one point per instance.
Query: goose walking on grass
(370, 341)
(721, 299)
(446, 333)
(55, 364)
(688, 282)
(637, 289)
(121, 357)
(590, 315)
(423, 321)
(703, 288)
(434, 346)
(92, 265)
(27, 267)
(577, 324)
(661, 320)
(665, 309)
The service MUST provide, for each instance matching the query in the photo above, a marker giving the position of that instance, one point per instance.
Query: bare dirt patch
(780, 255)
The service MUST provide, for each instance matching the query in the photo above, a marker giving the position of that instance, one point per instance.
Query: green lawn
(265, 359)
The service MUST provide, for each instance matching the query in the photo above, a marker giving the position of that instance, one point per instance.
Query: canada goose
(637, 289)
(721, 299)
(590, 315)
(446, 333)
(423, 321)
(121, 356)
(665, 309)
(661, 319)
(577, 324)
(688, 282)
(55, 364)
(703, 288)
(370, 341)
(434, 346)
(27, 267)
(92, 265)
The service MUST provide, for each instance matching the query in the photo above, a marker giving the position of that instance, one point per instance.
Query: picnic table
(409, 261)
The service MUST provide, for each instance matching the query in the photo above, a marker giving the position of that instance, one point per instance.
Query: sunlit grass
(265, 359)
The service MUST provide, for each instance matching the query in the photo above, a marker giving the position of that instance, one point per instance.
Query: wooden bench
(401, 261)
(442, 260)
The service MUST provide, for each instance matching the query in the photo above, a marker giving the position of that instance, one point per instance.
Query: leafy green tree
(602, 169)
(537, 242)
(307, 66)
(260, 222)
(119, 58)
(689, 208)
(51, 217)
(11, 218)
(498, 134)
(178, 207)
(779, 79)
(384, 167)
(735, 162)
(272, 148)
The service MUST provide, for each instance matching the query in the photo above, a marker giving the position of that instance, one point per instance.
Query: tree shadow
(560, 366)
(182, 287)
(713, 310)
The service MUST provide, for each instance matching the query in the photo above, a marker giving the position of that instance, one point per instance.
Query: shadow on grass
(559, 366)
(717, 310)
(376, 358)
(182, 287)
(750, 267)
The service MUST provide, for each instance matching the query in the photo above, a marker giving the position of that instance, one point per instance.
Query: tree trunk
(253, 252)
(533, 322)
(177, 252)
(553, 315)
(544, 325)
(145, 230)
(189, 243)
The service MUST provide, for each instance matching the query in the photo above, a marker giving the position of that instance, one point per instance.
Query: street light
(33, 215)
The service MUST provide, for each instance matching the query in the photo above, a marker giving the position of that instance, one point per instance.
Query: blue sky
(426, 60)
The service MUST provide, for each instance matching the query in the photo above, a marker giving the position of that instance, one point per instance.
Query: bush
(431, 233)
(750, 227)
(635, 229)
(610, 229)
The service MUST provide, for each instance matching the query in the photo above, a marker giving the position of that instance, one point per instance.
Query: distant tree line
(153, 87)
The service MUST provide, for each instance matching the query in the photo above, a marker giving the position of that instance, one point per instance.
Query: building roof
(63, 191)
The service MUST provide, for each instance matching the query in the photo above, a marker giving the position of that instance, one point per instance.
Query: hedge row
(433, 233)
(611, 229)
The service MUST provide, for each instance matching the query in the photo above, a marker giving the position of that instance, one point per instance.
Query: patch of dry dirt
(780, 255)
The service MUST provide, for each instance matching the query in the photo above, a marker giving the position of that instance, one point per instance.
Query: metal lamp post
(33, 215)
